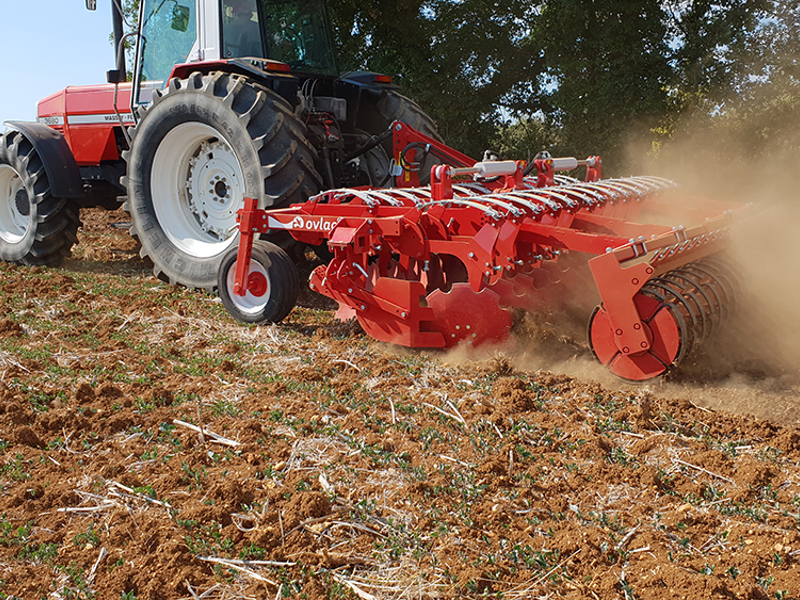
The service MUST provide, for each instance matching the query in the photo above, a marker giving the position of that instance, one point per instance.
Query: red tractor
(229, 99)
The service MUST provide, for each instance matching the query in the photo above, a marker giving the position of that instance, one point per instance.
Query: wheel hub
(215, 188)
(220, 188)
(22, 202)
(15, 206)
(258, 290)
(257, 284)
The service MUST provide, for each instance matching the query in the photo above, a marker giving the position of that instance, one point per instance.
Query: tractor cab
(296, 33)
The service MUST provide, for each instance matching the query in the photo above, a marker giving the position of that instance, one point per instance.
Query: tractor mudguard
(59, 163)
(269, 73)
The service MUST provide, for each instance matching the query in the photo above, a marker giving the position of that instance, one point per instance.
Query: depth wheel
(205, 144)
(665, 328)
(36, 228)
(272, 287)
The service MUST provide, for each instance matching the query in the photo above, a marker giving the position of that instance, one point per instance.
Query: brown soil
(153, 448)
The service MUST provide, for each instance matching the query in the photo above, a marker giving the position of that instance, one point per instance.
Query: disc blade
(468, 318)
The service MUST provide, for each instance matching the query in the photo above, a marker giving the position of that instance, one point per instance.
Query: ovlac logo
(299, 223)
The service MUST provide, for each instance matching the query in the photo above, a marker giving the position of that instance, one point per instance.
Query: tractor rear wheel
(36, 228)
(393, 107)
(206, 143)
(272, 285)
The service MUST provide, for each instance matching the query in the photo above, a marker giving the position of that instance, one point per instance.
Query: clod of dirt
(9, 328)
(109, 391)
(27, 437)
(84, 394)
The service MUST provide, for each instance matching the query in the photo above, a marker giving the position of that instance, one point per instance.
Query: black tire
(283, 285)
(390, 107)
(244, 141)
(36, 228)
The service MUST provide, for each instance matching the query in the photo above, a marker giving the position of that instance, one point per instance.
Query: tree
(586, 77)
(606, 73)
(523, 138)
(743, 116)
(709, 41)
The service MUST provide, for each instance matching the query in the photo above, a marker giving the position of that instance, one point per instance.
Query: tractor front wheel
(36, 228)
(272, 285)
(207, 143)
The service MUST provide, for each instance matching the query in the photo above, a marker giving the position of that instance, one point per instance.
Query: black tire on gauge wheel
(36, 228)
(206, 143)
(273, 291)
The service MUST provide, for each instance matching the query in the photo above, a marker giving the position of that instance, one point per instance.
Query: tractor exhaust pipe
(119, 34)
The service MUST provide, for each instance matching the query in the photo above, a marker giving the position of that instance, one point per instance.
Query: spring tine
(634, 188)
(546, 202)
(471, 189)
(596, 196)
(535, 209)
(368, 198)
(409, 194)
(585, 197)
(561, 197)
(646, 187)
(386, 198)
(611, 193)
(565, 180)
(462, 202)
(659, 183)
(623, 185)
(499, 201)
(651, 184)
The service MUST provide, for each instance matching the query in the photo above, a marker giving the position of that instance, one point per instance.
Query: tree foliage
(606, 70)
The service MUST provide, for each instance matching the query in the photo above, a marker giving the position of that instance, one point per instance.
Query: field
(153, 448)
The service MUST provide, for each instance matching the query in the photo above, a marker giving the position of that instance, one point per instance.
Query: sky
(47, 45)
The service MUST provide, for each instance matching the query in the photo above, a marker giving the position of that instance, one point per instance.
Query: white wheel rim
(13, 224)
(248, 304)
(197, 186)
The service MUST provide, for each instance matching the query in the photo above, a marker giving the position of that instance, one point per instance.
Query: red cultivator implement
(447, 264)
